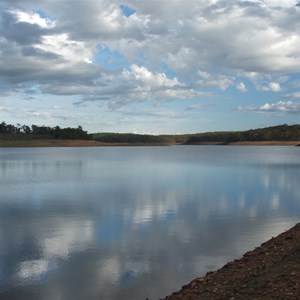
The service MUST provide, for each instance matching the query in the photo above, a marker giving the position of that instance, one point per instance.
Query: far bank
(94, 143)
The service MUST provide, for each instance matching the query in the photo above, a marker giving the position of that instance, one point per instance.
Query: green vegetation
(8, 131)
(129, 138)
(275, 133)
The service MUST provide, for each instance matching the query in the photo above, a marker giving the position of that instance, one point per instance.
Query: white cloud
(281, 106)
(266, 82)
(146, 84)
(293, 95)
(220, 81)
(273, 87)
(62, 45)
(255, 38)
(166, 52)
(151, 80)
(281, 3)
(182, 59)
(241, 87)
(32, 18)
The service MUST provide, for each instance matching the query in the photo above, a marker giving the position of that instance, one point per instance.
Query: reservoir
(127, 223)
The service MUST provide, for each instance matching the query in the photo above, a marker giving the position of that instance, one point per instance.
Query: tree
(3, 127)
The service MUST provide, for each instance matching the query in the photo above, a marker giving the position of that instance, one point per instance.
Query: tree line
(275, 133)
(35, 131)
(129, 138)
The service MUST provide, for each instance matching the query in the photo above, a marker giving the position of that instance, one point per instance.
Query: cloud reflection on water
(104, 224)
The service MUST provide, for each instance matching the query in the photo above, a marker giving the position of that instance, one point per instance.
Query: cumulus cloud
(220, 81)
(158, 84)
(32, 18)
(176, 51)
(281, 106)
(267, 82)
(138, 84)
(292, 107)
(272, 86)
(61, 45)
(185, 37)
(149, 79)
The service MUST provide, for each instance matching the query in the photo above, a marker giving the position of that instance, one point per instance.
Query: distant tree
(26, 129)
(10, 129)
(3, 127)
(56, 130)
(276, 133)
(131, 138)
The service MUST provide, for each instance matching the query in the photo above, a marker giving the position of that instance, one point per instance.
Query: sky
(150, 67)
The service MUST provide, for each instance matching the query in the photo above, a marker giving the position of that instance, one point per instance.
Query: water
(136, 222)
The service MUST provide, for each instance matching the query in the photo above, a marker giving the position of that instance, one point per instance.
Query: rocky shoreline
(271, 271)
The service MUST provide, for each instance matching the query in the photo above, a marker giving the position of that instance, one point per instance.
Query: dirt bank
(55, 143)
(251, 143)
(93, 143)
(271, 271)
(267, 143)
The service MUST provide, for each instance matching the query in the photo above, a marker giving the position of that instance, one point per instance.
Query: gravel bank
(271, 271)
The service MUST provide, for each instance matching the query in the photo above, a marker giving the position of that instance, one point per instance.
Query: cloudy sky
(150, 66)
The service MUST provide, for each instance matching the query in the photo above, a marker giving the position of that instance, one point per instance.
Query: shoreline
(6, 143)
(270, 271)
(55, 143)
(249, 143)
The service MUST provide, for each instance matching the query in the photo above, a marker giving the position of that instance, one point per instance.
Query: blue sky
(150, 66)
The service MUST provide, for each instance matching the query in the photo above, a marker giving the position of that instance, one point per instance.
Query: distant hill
(281, 133)
(131, 138)
(275, 133)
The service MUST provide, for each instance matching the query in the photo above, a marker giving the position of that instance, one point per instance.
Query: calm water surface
(136, 222)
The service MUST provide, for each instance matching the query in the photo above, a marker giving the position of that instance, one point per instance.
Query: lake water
(136, 222)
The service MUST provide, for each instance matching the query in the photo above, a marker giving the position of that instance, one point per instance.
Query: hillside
(280, 133)
(11, 135)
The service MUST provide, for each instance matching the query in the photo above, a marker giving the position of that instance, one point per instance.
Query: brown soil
(93, 143)
(54, 143)
(254, 143)
(271, 271)
(268, 143)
